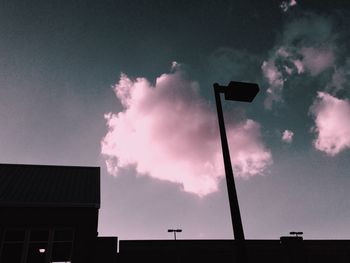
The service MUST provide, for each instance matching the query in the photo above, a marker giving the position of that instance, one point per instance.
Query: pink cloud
(166, 131)
(332, 125)
(249, 156)
(285, 5)
(298, 65)
(287, 136)
(317, 60)
(275, 80)
(284, 63)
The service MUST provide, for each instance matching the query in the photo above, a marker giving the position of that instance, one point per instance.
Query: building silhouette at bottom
(50, 214)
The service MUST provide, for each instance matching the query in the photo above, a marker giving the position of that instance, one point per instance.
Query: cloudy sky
(127, 86)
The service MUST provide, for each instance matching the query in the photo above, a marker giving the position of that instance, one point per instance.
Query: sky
(128, 86)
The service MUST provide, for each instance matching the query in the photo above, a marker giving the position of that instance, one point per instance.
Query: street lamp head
(239, 91)
(296, 234)
(175, 230)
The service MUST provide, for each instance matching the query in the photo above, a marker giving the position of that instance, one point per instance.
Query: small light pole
(175, 231)
(236, 91)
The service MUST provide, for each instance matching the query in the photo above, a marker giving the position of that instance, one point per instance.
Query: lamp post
(175, 231)
(296, 234)
(237, 91)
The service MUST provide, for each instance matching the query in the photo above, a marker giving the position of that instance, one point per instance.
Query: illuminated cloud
(175, 65)
(288, 62)
(298, 65)
(332, 125)
(285, 5)
(299, 52)
(287, 136)
(166, 131)
(317, 60)
(275, 80)
(249, 156)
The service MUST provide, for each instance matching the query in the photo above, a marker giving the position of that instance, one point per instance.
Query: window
(14, 235)
(37, 252)
(13, 246)
(62, 245)
(12, 253)
(53, 245)
(39, 235)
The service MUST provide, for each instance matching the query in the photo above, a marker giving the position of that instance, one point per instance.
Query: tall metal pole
(231, 188)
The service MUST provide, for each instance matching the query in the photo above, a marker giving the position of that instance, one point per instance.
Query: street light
(296, 234)
(237, 91)
(175, 231)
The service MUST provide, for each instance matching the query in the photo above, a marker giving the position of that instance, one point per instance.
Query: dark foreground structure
(271, 251)
(50, 214)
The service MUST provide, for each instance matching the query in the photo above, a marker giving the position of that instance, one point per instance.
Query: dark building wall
(188, 251)
(106, 249)
(83, 221)
(272, 251)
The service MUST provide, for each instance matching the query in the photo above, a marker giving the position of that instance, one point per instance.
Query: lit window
(35, 254)
(37, 245)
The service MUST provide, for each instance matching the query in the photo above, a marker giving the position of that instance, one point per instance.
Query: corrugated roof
(49, 186)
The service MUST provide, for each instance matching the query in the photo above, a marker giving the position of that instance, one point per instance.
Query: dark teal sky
(60, 59)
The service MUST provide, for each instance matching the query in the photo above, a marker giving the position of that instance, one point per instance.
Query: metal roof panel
(47, 185)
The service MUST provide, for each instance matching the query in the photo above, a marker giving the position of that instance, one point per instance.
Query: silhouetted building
(288, 250)
(48, 213)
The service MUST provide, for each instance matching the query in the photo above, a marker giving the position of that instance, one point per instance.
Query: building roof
(49, 186)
